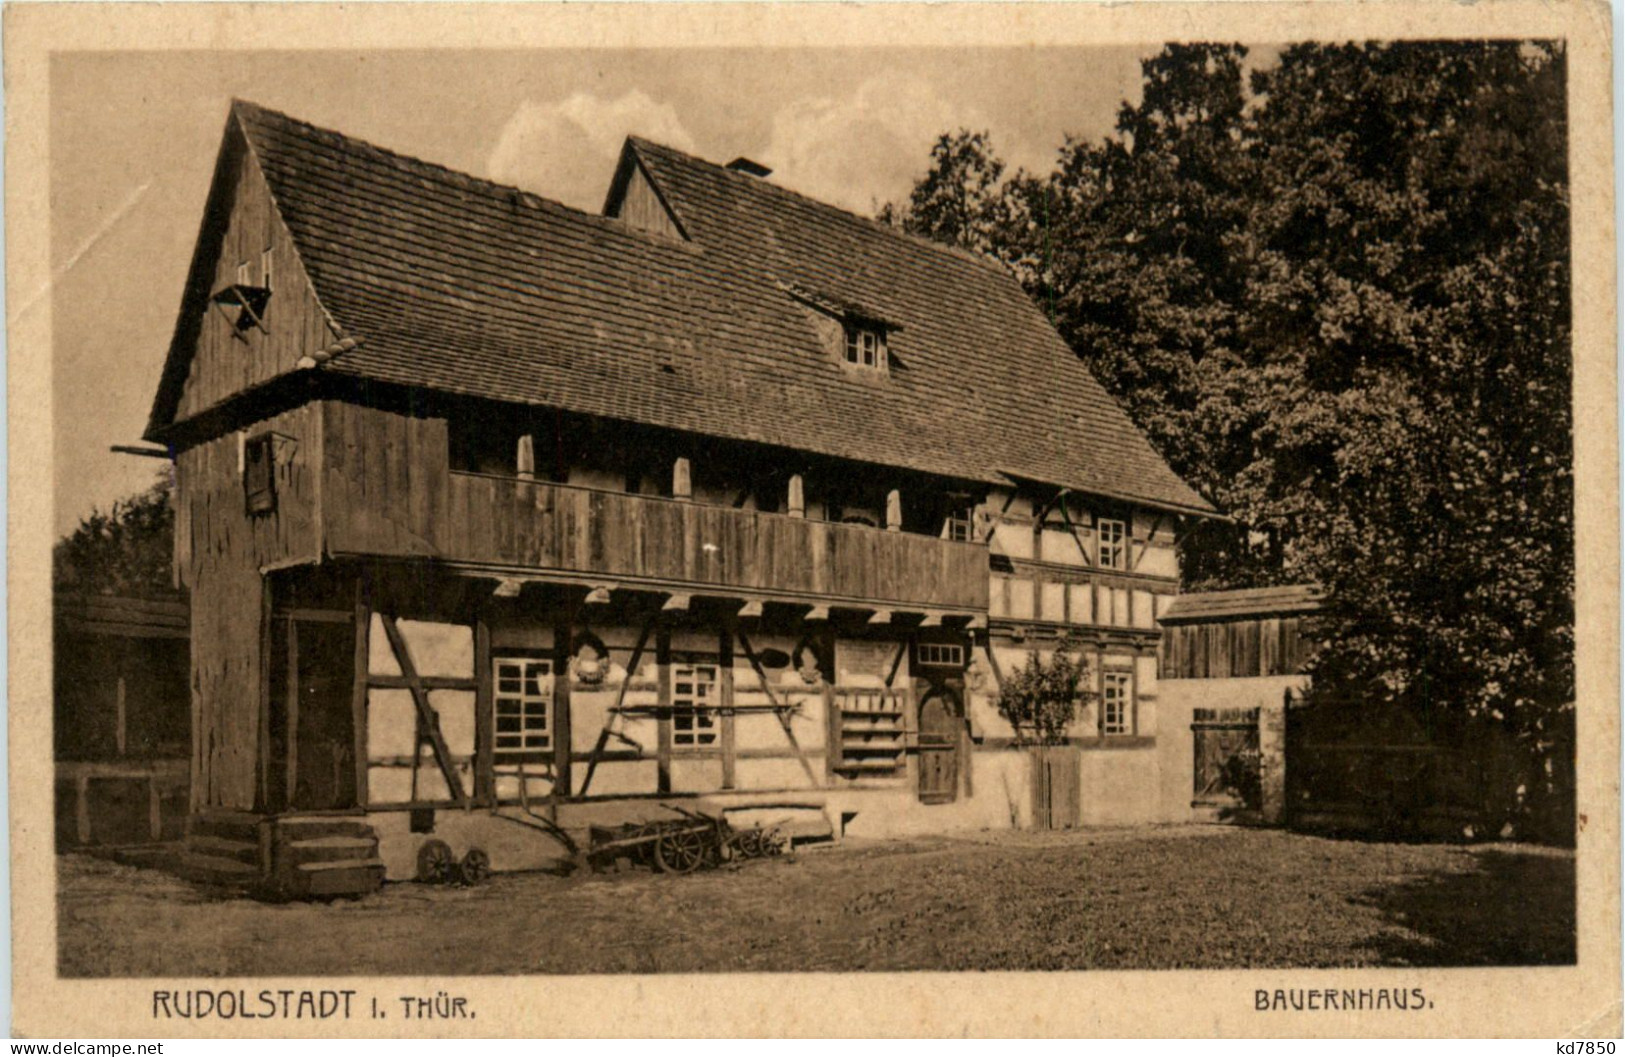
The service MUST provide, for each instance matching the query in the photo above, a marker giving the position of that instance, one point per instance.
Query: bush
(1042, 698)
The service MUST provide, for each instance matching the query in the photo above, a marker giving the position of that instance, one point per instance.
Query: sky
(134, 135)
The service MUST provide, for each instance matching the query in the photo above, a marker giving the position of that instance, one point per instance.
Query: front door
(939, 748)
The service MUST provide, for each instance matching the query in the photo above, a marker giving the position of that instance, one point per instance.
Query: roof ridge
(985, 261)
(455, 177)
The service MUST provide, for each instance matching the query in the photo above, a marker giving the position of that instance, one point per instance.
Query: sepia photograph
(532, 511)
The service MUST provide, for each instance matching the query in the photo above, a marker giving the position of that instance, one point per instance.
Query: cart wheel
(750, 844)
(681, 851)
(772, 844)
(434, 861)
(475, 869)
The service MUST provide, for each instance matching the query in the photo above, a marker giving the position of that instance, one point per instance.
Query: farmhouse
(498, 516)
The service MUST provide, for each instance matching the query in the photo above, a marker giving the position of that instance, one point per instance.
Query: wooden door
(939, 748)
(321, 727)
(1226, 758)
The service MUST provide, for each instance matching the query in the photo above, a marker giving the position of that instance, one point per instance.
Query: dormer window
(865, 346)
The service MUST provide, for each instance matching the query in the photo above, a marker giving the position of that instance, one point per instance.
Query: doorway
(940, 735)
(312, 727)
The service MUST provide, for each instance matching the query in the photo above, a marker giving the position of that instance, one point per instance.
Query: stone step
(344, 877)
(212, 869)
(222, 848)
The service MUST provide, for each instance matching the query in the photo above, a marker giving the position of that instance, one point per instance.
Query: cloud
(864, 147)
(567, 150)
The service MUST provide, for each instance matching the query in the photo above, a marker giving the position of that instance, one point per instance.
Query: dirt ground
(1136, 898)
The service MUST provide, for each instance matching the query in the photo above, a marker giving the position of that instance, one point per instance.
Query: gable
(634, 200)
(243, 244)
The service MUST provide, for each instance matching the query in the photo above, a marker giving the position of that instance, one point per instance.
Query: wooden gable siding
(642, 208)
(223, 365)
(1232, 649)
(384, 480)
(219, 554)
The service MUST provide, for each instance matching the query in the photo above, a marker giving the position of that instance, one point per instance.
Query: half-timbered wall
(227, 360)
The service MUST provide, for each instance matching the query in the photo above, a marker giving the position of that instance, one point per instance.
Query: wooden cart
(679, 845)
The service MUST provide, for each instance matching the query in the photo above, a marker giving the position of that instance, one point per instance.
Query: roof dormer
(635, 200)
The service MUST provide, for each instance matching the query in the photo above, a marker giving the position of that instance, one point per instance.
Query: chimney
(750, 168)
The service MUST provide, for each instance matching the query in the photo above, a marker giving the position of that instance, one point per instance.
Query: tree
(1042, 697)
(124, 551)
(958, 201)
(1334, 293)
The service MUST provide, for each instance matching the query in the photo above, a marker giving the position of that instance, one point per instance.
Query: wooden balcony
(509, 522)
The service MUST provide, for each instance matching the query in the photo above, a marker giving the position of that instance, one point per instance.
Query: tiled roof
(1250, 602)
(459, 284)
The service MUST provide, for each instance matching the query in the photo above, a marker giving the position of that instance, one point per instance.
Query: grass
(1191, 897)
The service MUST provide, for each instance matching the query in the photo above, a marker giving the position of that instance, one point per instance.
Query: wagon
(680, 845)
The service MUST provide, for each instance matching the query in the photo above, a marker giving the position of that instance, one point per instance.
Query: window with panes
(694, 698)
(523, 707)
(1116, 704)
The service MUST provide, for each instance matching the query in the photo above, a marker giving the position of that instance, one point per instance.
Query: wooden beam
(725, 676)
(880, 616)
(897, 661)
(428, 682)
(750, 609)
(816, 613)
(663, 700)
(292, 710)
(677, 603)
(425, 713)
(782, 712)
(620, 698)
(563, 640)
(1155, 525)
(358, 691)
(484, 715)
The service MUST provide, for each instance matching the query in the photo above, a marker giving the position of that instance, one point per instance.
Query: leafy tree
(1334, 292)
(124, 551)
(958, 201)
(1042, 698)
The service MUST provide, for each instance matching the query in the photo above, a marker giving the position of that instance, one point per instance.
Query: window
(523, 707)
(865, 347)
(265, 268)
(259, 474)
(940, 654)
(1113, 545)
(1116, 704)
(242, 273)
(693, 696)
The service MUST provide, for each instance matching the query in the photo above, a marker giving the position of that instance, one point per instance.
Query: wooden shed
(121, 719)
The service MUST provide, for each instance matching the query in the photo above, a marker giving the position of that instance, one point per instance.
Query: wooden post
(725, 676)
(663, 711)
(155, 819)
(358, 692)
(682, 486)
(118, 716)
(563, 627)
(798, 497)
(81, 813)
(484, 720)
(894, 511)
(525, 458)
(293, 711)
(266, 764)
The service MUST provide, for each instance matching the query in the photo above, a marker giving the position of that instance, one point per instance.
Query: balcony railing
(506, 521)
